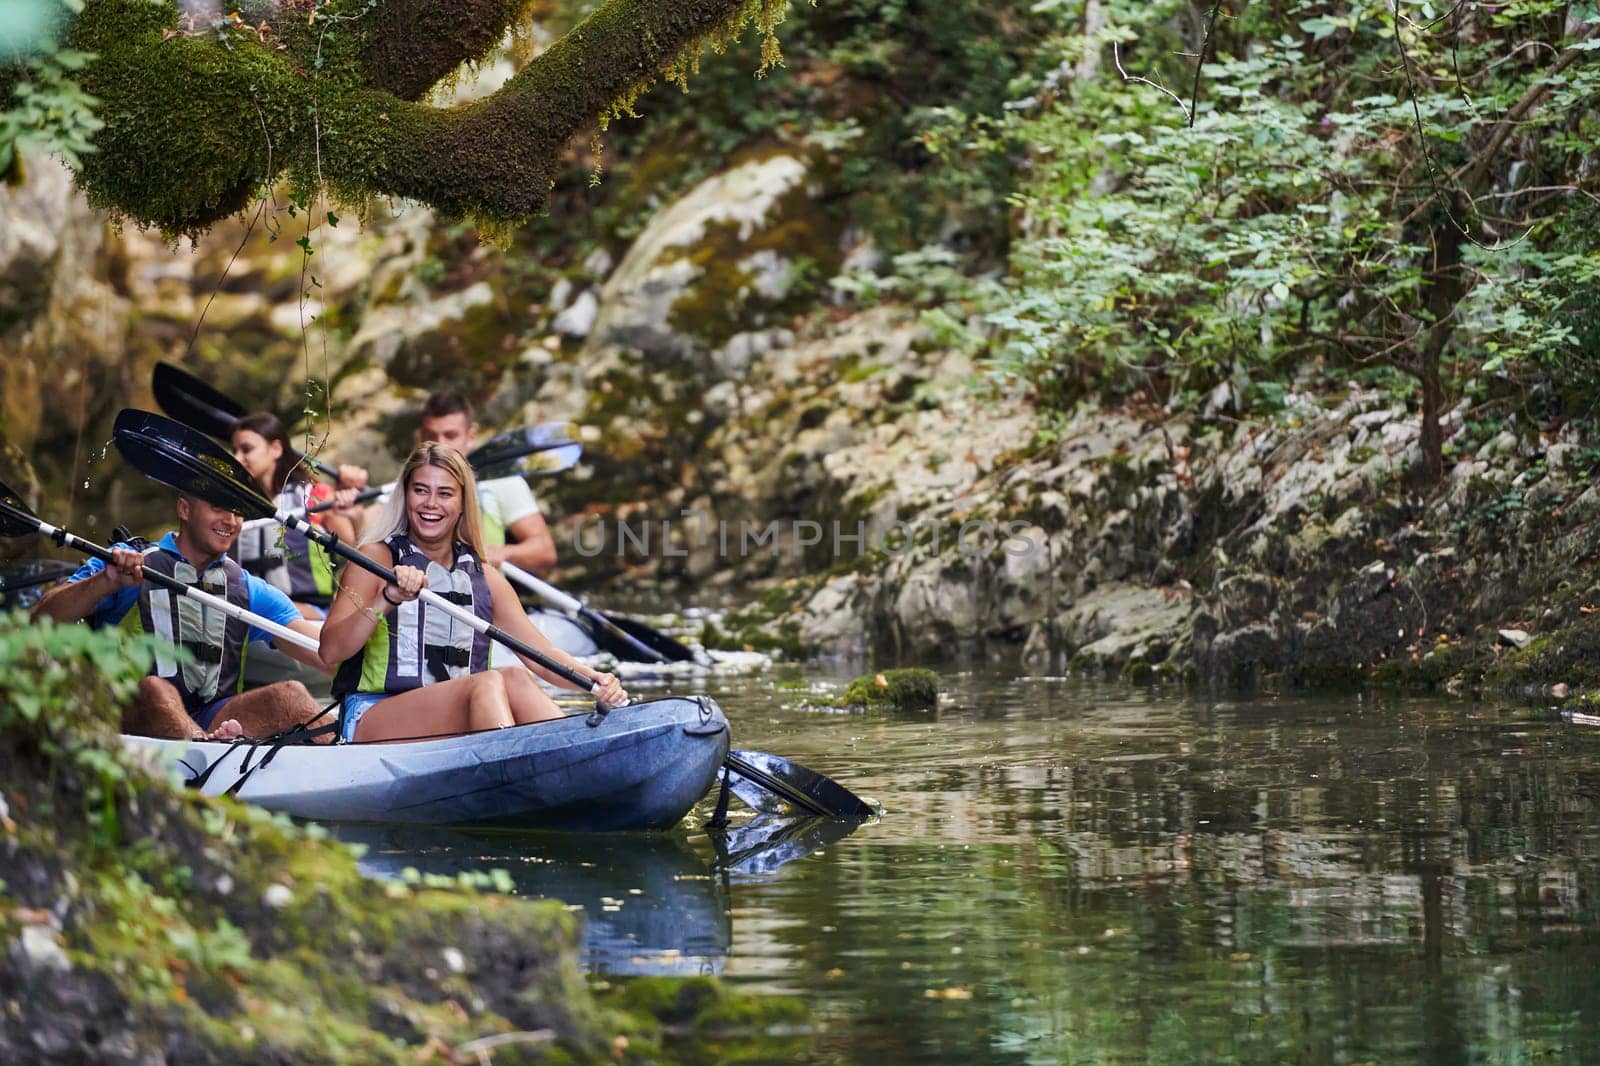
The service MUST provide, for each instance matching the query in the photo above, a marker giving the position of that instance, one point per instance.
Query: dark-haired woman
(283, 557)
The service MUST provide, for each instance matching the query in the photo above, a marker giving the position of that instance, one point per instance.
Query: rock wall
(1293, 552)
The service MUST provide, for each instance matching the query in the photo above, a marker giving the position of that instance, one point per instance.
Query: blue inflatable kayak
(639, 767)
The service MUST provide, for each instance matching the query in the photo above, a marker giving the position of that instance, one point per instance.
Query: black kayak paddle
(195, 403)
(635, 642)
(542, 449)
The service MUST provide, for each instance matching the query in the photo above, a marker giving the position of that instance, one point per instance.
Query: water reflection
(757, 849)
(1074, 873)
(1069, 873)
(650, 903)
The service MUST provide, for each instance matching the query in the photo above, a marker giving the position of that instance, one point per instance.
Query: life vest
(216, 642)
(419, 644)
(285, 558)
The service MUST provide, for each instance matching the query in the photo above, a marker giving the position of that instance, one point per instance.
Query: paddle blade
(193, 402)
(24, 584)
(31, 572)
(615, 634)
(806, 790)
(180, 458)
(674, 651)
(544, 449)
(15, 515)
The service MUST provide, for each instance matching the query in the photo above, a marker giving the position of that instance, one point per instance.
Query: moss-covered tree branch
(494, 158)
(408, 45)
(199, 122)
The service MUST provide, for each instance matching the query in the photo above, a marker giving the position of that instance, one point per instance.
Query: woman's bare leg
(461, 705)
(529, 702)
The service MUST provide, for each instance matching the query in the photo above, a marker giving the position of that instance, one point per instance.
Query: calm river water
(1070, 872)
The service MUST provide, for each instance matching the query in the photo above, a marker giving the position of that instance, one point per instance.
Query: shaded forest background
(1397, 193)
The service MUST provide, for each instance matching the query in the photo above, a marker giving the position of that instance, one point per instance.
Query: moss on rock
(1569, 656)
(912, 689)
(140, 921)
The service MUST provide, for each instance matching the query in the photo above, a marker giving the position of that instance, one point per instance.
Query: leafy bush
(1346, 196)
(61, 687)
(42, 106)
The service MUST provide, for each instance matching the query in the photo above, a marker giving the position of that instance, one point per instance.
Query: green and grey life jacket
(216, 642)
(285, 558)
(418, 644)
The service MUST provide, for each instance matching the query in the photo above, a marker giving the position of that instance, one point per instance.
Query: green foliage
(42, 105)
(1300, 223)
(60, 690)
(54, 680)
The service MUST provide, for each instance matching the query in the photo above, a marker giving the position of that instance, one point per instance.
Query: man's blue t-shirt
(265, 600)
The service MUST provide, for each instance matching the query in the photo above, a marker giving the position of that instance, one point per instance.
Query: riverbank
(143, 923)
(1296, 550)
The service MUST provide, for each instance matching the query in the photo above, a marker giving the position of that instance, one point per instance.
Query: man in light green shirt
(513, 527)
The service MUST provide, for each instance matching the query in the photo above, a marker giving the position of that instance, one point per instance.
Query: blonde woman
(409, 669)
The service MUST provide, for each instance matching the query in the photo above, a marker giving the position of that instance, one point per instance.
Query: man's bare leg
(158, 711)
(262, 712)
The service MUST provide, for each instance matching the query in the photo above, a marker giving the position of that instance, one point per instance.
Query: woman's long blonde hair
(392, 519)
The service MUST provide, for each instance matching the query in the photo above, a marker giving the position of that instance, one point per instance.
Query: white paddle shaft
(283, 633)
(298, 512)
(546, 592)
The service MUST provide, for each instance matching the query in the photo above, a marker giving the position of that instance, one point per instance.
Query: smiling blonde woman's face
(433, 504)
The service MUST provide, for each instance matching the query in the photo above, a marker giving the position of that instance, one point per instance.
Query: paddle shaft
(433, 599)
(68, 540)
(571, 606)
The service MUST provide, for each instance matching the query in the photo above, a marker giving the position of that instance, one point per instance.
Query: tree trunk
(1443, 292)
(1432, 441)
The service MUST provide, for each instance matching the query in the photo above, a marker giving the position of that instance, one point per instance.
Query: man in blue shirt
(200, 698)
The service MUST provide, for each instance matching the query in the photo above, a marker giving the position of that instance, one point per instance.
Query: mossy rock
(1568, 656)
(164, 923)
(705, 1022)
(913, 689)
(781, 639)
